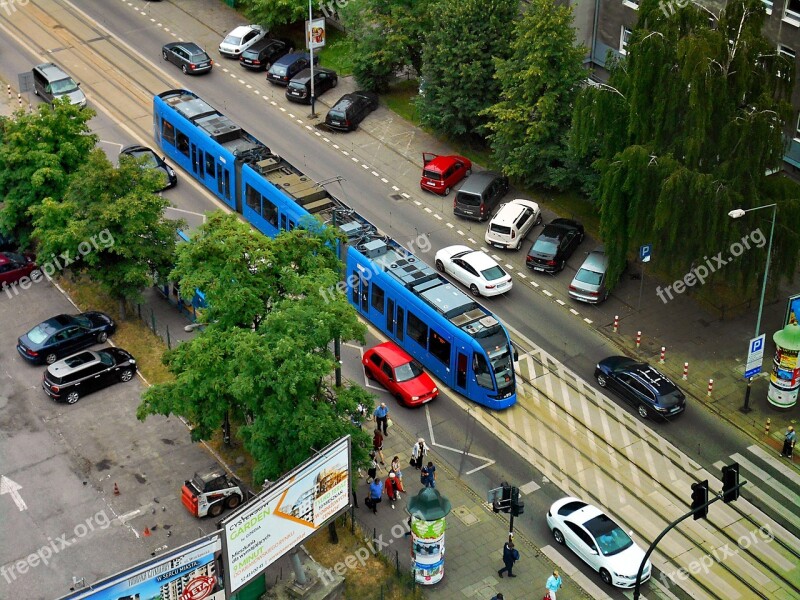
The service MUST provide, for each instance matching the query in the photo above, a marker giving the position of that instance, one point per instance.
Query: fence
(159, 321)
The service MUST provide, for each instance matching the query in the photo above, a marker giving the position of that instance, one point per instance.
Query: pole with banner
(315, 38)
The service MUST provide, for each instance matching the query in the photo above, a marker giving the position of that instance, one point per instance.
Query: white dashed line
(248, 86)
(242, 81)
(271, 101)
(573, 311)
(282, 109)
(428, 210)
(546, 293)
(363, 166)
(417, 202)
(450, 225)
(406, 196)
(510, 267)
(439, 217)
(534, 284)
(256, 92)
(354, 158)
(291, 116)
(471, 241)
(152, 20)
(395, 188)
(561, 302)
(317, 133)
(459, 232)
(589, 321)
(336, 146)
(326, 140)
(345, 152)
(522, 275)
(494, 256)
(384, 180)
(376, 173)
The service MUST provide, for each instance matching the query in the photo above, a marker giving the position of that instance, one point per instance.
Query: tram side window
(439, 347)
(377, 298)
(183, 144)
(481, 369)
(270, 212)
(253, 198)
(167, 131)
(210, 168)
(417, 330)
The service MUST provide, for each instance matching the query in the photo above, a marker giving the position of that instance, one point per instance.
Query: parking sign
(755, 356)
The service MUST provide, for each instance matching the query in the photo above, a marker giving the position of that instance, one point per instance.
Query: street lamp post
(735, 214)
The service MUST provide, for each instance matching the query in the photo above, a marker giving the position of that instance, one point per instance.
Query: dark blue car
(64, 335)
(648, 390)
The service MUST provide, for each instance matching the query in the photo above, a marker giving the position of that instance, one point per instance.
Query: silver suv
(511, 224)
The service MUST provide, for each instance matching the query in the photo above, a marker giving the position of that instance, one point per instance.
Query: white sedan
(598, 541)
(240, 39)
(475, 269)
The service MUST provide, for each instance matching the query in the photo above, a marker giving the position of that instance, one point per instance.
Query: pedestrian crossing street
(592, 448)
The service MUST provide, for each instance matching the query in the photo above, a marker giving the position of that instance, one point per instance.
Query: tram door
(461, 371)
(197, 162)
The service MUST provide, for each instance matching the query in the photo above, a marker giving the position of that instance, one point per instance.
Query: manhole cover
(463, 513)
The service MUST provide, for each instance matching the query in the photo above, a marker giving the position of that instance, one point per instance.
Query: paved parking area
(59, 464)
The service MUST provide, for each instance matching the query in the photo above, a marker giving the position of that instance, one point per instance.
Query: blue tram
(451, 334)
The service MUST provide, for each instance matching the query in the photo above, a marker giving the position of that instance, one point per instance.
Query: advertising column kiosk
(428, 511)
(784, 380)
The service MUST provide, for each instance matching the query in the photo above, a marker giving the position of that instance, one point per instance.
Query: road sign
(645, 251)
(755, 356)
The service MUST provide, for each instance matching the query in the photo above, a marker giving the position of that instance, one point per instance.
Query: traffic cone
(146, 532)
(116, 490)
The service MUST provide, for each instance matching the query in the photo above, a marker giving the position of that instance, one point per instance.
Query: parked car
(190, 57)
(512, 222)
(475, 269)
(240, 39)
(299, 88)
(263, 53)
(150, 160)
(289, 65)
(70, 379)
(479, 195)
(598, 541)
(14, 267)
(555, 245)
(63, 335)
(51, 83)
(399, 373)
(441, 173)
(350, 110)
(641, 385)
(589, 283)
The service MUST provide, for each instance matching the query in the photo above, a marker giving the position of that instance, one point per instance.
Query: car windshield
(233, 40)
(278, 70)
(106, 358)
(16, 257)
(428, 174)
(468, 199)
(501, 363)
(493, 273)
(296, 85)
(544, 246)
(64, 86)
(670, 399)
(590, 277)
(38, 334)
(336, 114)
(610, 537)
(502, 229)
(147, 159)
(408, 371)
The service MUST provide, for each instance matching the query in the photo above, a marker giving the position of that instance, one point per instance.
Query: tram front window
(502, 365)
(483, 376)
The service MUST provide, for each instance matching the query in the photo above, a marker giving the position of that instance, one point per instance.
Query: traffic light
(504, 503)
(699, 498)
(517, 505)
(730, 482)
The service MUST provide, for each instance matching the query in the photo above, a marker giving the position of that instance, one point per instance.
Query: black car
(555, 245)
(150, 160)
(64, 335)
(262, 54)
(648, 390)
(8, 243)
(70, 379)
(299, 88)
(190, 57)
(289, 65)
(350, 110)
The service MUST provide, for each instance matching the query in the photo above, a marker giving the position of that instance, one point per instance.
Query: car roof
(242, 30)
(264, 43)
(596, 261)
(392, 354)
(479, 259)
(510, 211)
(288, 59)
(344, 102)
(582, 515)
(440, 163)
(73, 363)
(190, 47)
(51, 70)
(304, 76)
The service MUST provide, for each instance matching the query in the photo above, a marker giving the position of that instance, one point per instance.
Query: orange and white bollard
(616, 323)
(19, 99)
(710, 386)
(766, 429)
(685, 371)
(638, 338)
(9, 91)
(663, 353)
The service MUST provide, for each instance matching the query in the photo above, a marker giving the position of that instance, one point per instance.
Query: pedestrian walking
(553, 584)
(372, 471)
(377, 444)
(375, 495)
(788, 442)
(428, 477)
(391, 488)
(510, 556)
(381, 418)
(498, 597)
(418, 452)
(395, 466)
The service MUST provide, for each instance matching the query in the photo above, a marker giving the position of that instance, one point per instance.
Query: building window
(768, 6)
(792, 10)
(797, 128)
(634, 4)
(785, 55)
(624, 38)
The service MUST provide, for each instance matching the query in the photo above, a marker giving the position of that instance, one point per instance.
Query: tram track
(631, 468)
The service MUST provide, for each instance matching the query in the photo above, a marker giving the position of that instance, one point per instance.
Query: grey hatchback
(589, 283)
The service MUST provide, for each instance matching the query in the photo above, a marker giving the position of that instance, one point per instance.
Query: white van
(51, 82)
(512, 222)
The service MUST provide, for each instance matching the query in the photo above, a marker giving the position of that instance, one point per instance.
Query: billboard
(315, 34)
(188, 573)
(287, 513)
(792, 310)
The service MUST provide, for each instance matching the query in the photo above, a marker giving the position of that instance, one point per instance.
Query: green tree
(38, 153)
(271, 13)
(389, 34)
(264, 357)
(685, 130)
(539, 83)
(110, 225)
(458, 66)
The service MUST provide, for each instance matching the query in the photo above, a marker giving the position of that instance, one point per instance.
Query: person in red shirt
(391, 487)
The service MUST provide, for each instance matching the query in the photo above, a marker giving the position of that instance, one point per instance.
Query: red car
(403, 376)
(14, 267)
(441, 173)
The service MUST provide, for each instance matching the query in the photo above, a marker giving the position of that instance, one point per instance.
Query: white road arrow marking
(12, 487)
(489, 462)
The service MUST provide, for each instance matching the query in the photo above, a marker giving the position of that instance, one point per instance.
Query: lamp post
(735, 214)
